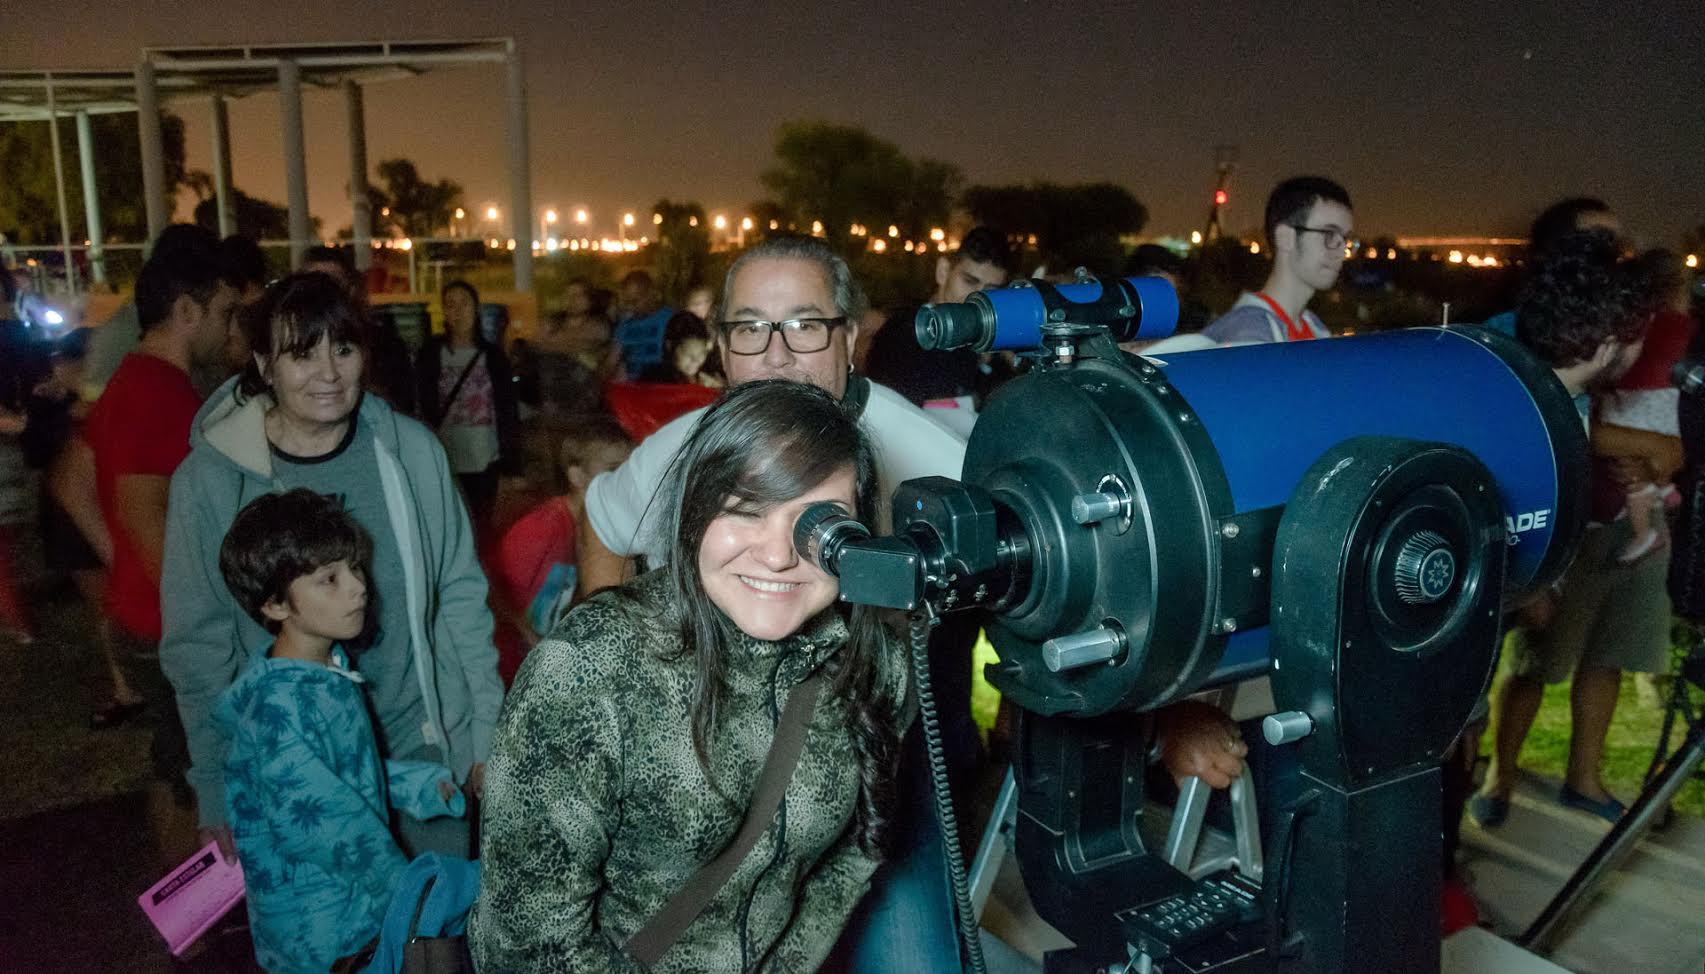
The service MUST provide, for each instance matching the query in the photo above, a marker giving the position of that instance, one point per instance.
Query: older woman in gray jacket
(296, 417)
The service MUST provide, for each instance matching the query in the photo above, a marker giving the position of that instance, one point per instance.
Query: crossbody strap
(455, 390)
(666, 927)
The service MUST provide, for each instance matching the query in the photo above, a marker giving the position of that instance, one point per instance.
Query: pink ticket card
(193, 897)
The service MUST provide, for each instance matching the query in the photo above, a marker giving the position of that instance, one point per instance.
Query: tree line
(842, 177)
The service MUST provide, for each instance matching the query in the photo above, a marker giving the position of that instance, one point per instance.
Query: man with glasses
(1309, 226)
(790, 310)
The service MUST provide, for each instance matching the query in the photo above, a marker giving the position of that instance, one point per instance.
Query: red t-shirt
(139, 426)
(538, 549)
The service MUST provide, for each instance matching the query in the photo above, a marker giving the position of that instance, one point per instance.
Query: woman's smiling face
(750, 570)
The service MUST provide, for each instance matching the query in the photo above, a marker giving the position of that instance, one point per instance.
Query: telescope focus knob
(1426, 569)
(1292, 725)
(1090, 508)
(1097, 645)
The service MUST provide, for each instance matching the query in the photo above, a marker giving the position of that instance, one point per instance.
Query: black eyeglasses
(1333, 237)
(800, 335)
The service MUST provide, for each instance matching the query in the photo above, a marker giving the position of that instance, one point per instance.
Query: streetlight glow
(746, 223)
(550, 216)
(893, 231)
(491, 213)
(1692, 261)
(938, 235)
(580, 215)
(1195, 236)
(721, 222)
(461, 214)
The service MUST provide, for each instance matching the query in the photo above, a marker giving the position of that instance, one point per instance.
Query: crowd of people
(358, 640)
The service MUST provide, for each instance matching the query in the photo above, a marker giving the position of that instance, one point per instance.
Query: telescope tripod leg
(996, 843)
(1542, 934)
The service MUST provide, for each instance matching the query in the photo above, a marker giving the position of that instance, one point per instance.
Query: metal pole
(91, 199)
(153, 150)
(222, 195)
(520, 180)
(1541, 936)
(359, 204)
(59, 187)
(295, 158)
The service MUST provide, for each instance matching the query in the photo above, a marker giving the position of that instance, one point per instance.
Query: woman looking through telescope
(632, 743)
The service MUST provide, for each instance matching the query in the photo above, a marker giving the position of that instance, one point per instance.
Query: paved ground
(76, 846)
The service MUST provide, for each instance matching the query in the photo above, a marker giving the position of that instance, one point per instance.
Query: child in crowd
(689, 355)
(1637, 427)
(535, 562)
(307, 795)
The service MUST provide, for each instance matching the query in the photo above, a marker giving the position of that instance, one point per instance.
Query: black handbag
(434, 955)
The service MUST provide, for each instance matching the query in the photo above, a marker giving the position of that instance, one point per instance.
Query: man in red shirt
(138, 432)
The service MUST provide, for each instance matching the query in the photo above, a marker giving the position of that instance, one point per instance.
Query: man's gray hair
(850, 301)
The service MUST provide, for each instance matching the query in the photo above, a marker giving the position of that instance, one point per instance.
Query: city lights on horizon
(731, 229)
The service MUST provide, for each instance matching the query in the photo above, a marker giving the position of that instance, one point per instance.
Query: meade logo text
(1518, 524)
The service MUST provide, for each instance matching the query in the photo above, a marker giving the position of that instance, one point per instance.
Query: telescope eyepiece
(953, 325)
(821, 531)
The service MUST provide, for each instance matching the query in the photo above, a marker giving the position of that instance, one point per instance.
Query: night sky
(1439, 118)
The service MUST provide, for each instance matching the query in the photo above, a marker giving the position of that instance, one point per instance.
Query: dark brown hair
(291, 318)
(765, 443)
(279, 538)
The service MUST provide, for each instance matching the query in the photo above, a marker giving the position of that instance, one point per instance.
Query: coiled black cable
(970, 940)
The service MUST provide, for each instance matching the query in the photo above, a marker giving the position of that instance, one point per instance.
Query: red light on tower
(1219, 197)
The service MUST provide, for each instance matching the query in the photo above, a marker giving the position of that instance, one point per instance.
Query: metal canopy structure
(218, 73)
(32, 96)
(37, 96)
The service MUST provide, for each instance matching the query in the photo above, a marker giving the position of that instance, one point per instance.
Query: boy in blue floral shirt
(307, 795)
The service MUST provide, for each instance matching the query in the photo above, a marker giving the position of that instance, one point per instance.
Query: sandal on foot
(1489, 810)
(1610, 809)
(1639, 548)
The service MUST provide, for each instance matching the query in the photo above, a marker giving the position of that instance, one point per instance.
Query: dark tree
(417, 208)
(841, 175)
(1074, 225)
(683, 247)
(29, 211)
(257, 218)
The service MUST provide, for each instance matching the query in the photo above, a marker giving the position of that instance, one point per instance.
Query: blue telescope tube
(1271, 410)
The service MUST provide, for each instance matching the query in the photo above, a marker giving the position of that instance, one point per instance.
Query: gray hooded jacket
(208, 639)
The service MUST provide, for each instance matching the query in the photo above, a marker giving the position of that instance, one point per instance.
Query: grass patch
(1628, 748)
(1627, 752)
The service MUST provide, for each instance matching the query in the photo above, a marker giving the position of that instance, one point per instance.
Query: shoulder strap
(666, 927)
(450, 400)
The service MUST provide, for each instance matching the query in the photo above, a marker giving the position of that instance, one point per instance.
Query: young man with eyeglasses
(983, 261)
(1309, 225)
